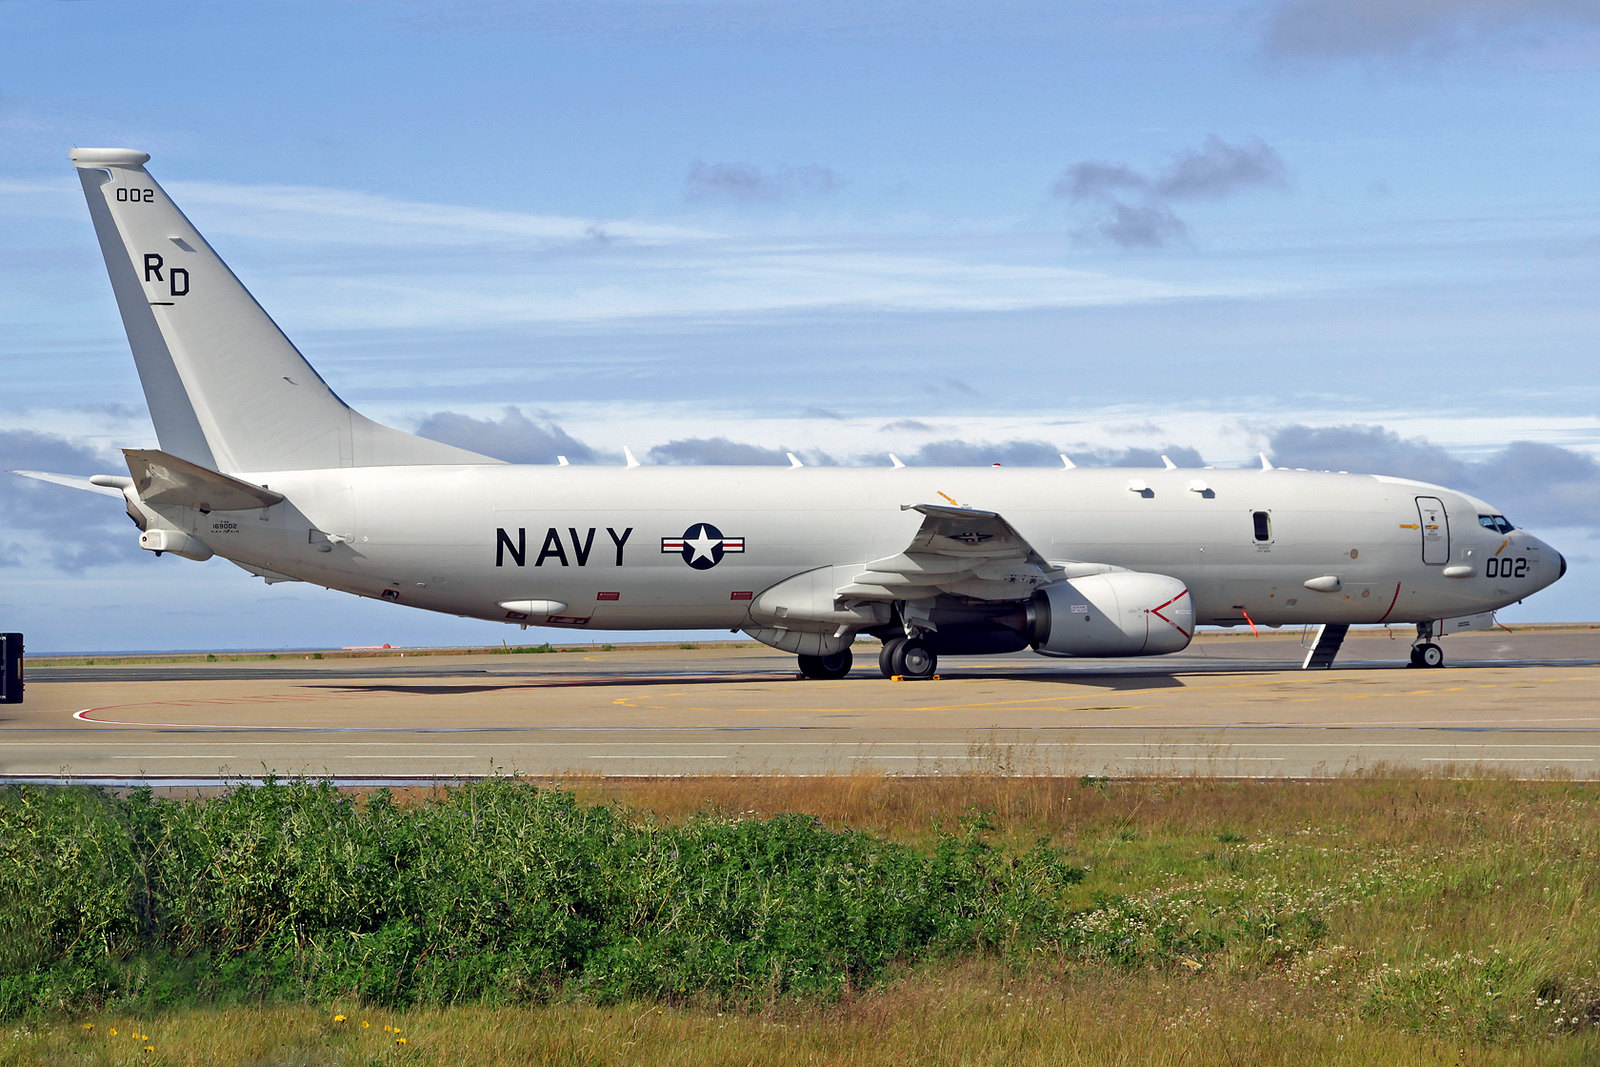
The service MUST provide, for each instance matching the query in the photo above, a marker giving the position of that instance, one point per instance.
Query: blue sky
(1359, 235)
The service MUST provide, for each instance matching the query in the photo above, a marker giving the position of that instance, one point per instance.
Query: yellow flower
(365, 1024)
(112, 1031)
(88, 1026)
(149, 1048)
(338, 1018)
(399, 1040)
(388, 1029)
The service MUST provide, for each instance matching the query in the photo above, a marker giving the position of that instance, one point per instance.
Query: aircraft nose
(1562, 573)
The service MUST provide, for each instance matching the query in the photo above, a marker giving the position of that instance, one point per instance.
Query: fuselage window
(1263, 523)
(1497, 523)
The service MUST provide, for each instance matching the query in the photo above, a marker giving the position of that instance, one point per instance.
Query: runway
(1232, 705)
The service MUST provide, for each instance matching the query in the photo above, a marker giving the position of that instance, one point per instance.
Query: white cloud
(712, 282)
(383, 268)
(1224, 437)
(514, 438)
(13, 187)
(304, 214)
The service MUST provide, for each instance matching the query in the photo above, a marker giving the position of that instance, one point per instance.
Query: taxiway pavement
(1527, 703)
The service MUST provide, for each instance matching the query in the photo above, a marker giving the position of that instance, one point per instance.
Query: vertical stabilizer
(227, 390)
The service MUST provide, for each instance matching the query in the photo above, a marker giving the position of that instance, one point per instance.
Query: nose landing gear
(1425, 653)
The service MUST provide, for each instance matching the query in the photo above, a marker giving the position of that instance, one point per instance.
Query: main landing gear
(902, 657)
(1425, 653)
(836, 665)
(907, 657)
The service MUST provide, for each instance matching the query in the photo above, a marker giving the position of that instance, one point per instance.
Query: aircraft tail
(227, 390)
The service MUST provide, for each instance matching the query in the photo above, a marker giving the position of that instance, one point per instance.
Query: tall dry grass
(973, 1013)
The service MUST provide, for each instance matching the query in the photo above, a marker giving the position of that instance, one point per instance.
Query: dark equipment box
(10, 668)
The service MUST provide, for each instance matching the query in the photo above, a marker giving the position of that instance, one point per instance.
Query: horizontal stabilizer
(74, 481)
(161, 479)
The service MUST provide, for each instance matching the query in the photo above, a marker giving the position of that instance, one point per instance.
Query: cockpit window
(1497, 523)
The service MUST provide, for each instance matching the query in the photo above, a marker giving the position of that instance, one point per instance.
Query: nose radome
(1563, 572)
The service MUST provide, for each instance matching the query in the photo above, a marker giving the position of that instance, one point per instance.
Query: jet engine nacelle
(1120, 613)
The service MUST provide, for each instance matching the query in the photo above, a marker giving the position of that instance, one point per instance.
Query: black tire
(915, 660)
(886, 655)
(1416, 656)
(836, 665)
(1430, 655)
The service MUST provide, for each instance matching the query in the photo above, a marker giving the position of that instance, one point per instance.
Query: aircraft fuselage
(608, 543)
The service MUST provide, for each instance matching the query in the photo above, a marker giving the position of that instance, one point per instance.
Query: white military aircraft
(262, 464)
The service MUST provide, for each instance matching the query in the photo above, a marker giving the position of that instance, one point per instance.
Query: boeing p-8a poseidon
(262, 464)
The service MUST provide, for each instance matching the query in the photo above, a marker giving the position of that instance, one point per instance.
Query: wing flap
(963, 551)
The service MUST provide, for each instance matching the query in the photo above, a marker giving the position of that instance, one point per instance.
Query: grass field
(1392, 919)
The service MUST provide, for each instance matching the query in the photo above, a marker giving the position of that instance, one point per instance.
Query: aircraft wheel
(915, 659)
(835, 666)
(1430, 655)
(1416, 657)
(886, 655)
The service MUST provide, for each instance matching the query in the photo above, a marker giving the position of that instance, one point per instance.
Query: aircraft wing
(961, 551)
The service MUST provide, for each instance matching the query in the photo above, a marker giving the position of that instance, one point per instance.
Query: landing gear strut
(907, 657)
(836, 665)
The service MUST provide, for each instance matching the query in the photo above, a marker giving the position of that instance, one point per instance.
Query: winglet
(1066, 462)
(896, 461)
(1266, 464)
(629, 459)
(794, 461)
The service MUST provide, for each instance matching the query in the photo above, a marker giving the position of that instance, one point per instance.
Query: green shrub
(496, 892)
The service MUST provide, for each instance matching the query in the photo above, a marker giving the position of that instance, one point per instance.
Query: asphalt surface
(1232, 705)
